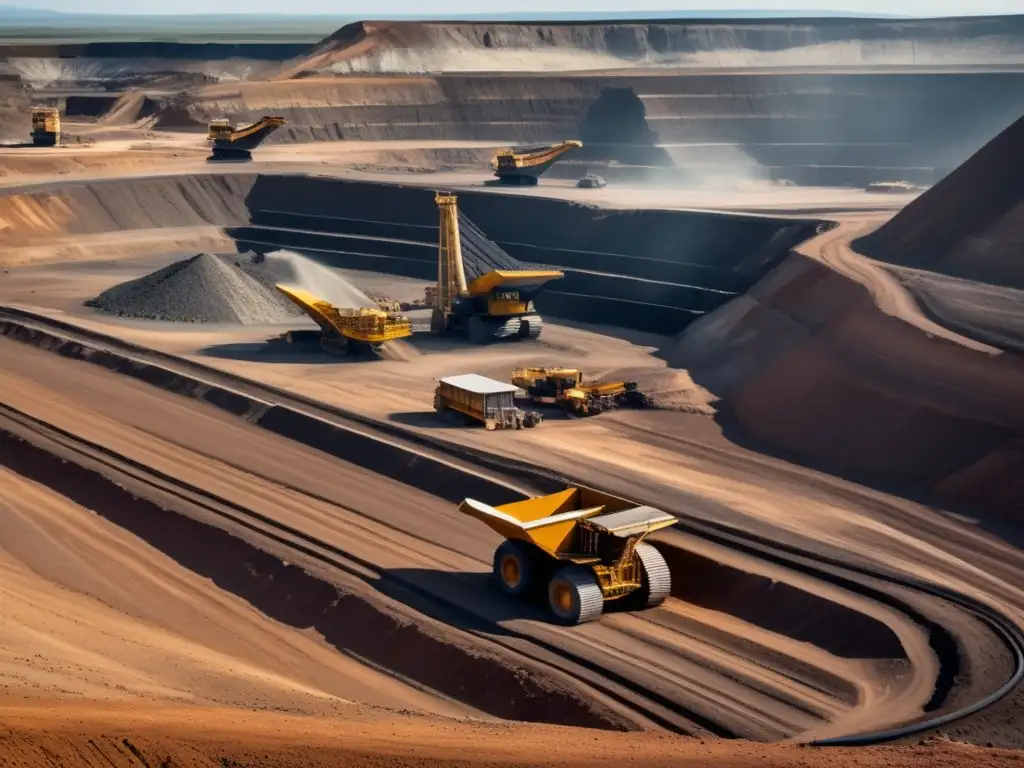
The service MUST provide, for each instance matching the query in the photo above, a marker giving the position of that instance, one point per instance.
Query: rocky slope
(403, 47)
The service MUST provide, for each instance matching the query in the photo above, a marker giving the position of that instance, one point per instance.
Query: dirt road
(84, 736)
(701, 674)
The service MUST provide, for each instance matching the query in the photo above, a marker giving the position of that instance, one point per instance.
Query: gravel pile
(267, 274)
(293, 269)
(201, 289)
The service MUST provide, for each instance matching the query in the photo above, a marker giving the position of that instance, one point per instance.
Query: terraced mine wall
(834, 129)
(647, 270)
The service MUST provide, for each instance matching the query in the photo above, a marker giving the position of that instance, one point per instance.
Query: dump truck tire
(513, 568)
(655, 579)
(574, 595)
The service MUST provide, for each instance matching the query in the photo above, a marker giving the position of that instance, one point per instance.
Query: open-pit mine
(504, 394)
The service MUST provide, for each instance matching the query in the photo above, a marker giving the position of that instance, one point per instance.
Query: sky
(454, 7)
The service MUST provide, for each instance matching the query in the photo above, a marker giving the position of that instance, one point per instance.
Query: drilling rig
(496, 301)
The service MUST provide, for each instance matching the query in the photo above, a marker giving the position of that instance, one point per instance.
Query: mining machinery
(45, 126)
(487, 401)
(495, 304)
(592, 181)
(579, 548)
(237, 142)
(346, 331)
(522, 166)
(566, 387)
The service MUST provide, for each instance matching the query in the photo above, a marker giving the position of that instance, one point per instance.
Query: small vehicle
(591, 181)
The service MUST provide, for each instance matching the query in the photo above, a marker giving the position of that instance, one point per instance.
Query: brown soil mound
(971, 225)
(85, 735)
(807, 363)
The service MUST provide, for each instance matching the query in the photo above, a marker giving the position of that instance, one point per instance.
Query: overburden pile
(970, 225)
(201, 289)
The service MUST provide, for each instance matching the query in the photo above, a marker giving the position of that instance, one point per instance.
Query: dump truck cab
(582, 547)
(220, 128)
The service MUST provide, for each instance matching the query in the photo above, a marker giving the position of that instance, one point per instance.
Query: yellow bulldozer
(495, 304)
(346, 331)
(566, 387)
(580, 548)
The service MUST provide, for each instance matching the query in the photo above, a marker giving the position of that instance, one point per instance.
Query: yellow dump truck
(523, 166)
(580, 548)
(45, 126)
(490, 402)
(230, 142)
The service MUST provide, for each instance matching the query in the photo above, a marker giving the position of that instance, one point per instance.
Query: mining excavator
(582, 548)
(45, 126)
(565, 387)
(495, 304)
(237, 142)
(345, 331)
(523, 166)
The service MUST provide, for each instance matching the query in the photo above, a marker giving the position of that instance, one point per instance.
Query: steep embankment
(402, 47)
(969, 226)
(829, 362)
(957, 248)
(118, 65)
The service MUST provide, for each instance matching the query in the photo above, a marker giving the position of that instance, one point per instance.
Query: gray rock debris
(202, 289)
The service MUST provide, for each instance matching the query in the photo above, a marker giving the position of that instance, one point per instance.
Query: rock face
(201, 289)
(370, 47)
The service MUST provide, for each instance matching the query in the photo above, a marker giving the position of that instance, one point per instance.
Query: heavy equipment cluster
(565, 387)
